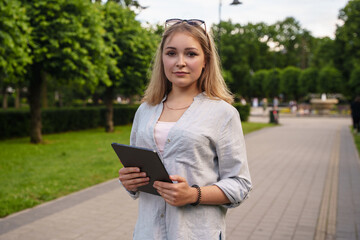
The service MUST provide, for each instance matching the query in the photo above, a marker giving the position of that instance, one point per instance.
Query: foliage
(347, 38)
(330, 80)
(354, 82)
(324, 52)
(16, 123)
(68, 41)
(271, 83)
(244, 111)
(289, 82)
(14, 39)
(257, 83)
(133, 48)
(292, 40)
(308, 81)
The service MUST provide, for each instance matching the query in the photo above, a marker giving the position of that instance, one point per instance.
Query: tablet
(147, 160)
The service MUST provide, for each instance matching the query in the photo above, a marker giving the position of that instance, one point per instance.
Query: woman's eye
(171, 53)
(192, 54)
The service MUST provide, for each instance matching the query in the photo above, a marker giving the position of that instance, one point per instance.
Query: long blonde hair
(211, 80)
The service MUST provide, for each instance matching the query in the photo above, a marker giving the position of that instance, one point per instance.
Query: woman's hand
(131, 178)
(176, 194)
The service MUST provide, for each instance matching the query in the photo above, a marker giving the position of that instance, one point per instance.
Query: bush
(244, 111)
(16, 123)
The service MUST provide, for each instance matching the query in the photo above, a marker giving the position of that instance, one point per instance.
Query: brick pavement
(295, 169)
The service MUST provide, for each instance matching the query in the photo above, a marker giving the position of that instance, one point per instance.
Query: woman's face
(183, 60)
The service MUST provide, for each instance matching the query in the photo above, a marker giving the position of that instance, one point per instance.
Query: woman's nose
(181, 61)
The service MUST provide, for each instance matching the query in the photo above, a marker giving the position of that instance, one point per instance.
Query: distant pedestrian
(355, 114)
(187, 117)
(275, 103)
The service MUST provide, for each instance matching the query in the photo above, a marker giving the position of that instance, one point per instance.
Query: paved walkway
(306, 176)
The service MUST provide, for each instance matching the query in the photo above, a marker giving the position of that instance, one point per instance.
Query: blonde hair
(211, 80)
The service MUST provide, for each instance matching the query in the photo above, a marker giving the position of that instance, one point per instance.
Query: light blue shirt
(206, 146)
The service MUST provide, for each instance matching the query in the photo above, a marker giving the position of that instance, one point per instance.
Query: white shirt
(206, 146)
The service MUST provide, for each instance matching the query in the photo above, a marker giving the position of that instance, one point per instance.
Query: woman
(187, 117)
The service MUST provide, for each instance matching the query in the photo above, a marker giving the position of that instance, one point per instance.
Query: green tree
(354, 82)
(308, 81)
(257, 83)
(14, 50)
(347, 42)
(293, 43)
(330, 80)
(68, 45)
(324, 52)
(289, 78)
(272, 83)
(132, 48)
(240, 84)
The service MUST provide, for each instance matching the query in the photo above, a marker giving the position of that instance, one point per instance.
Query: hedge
(244, 111)
(16, 123)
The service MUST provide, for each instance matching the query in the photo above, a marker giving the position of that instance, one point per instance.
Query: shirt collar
(197, 97)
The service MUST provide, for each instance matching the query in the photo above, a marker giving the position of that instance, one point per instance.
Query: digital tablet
(147, 160)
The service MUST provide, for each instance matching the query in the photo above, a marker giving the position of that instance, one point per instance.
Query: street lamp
(235, 2)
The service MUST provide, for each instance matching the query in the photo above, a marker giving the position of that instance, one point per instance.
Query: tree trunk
(5, 98)
(44, 91)
(108, 99)
(17, 98)
(35, 90)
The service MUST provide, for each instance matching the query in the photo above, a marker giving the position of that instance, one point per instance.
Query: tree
(132, 49)
(308, 81)
(293, 43)
(272, 83)
(14, 50)
(67, 43)
(330, 80)
(257, 83)
(323, 53)
(347, 40)
(354, 82)
(240, 84)
(289, 82)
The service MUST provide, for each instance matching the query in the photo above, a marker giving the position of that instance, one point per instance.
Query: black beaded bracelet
(199, 195)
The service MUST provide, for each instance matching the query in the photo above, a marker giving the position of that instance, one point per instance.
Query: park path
(306, 175)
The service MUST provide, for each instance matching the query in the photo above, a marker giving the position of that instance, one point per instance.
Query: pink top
(161, 131)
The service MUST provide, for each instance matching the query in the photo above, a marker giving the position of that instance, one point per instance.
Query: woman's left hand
(176, 194)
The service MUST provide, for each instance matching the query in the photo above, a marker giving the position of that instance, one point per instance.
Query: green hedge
(244, 111)
(16, 123)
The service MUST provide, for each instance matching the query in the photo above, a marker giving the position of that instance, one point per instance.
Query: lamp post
(235, 2)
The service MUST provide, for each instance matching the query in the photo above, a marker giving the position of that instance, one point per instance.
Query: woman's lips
(181, 73)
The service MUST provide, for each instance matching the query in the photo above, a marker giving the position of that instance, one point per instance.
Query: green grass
(356, 139)
(66, 162)
(32, 174)
(249, 127)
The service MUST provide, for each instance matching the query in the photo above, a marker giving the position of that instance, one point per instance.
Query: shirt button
(168, 140)
(162, 215)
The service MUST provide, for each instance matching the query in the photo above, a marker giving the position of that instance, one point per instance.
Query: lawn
(356, 139)
(66, 162)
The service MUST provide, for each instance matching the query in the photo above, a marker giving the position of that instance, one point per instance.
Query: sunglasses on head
(193, 22)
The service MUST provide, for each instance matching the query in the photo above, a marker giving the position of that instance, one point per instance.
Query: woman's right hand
(131, 178)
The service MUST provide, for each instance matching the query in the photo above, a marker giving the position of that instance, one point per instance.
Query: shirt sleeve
(134, 127)
(235, 179)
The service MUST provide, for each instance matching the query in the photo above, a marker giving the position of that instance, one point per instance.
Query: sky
(318, 16)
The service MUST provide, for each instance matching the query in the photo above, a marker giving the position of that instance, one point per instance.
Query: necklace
(182, 108)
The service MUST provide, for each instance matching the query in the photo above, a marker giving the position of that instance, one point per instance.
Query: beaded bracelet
(199, 195)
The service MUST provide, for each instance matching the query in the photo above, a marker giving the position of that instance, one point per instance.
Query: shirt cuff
(233, 192)
(133, 195)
